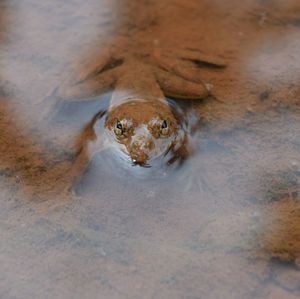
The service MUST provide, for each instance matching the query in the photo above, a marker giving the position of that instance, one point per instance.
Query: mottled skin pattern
(139, 122)
(145, 135)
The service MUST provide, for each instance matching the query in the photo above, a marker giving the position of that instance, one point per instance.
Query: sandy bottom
(226, 224)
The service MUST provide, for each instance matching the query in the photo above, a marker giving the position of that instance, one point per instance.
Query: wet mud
(222, 223)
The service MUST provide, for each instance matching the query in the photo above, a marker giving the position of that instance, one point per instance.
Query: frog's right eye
(164, 130)
(118, 129)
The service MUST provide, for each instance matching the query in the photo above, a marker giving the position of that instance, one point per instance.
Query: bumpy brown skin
(141, 86)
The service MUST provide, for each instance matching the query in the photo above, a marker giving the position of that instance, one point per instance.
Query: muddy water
(225, 224)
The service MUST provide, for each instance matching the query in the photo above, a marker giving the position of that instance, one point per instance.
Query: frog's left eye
(164, 130)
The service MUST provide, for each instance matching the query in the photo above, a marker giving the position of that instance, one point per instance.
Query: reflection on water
(225, 224)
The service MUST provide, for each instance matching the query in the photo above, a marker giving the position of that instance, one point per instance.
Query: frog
(140, 121)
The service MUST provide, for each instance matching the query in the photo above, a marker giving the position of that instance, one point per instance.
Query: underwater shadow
(278, 242)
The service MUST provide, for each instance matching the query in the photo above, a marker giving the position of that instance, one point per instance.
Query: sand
(223, 225)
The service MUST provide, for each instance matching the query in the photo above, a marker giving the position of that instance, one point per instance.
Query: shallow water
(225, 224)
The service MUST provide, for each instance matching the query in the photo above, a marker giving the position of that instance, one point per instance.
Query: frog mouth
(141, 164)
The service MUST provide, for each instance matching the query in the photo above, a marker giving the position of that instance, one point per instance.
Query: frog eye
(164, 130)
(118, 129)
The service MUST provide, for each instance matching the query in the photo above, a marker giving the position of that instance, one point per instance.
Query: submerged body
(140, 119)
(139, 122)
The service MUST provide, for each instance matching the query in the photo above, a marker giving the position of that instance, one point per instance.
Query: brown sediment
(224, 225)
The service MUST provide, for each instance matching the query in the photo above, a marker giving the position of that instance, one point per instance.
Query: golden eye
(118, 129)
(164, 130)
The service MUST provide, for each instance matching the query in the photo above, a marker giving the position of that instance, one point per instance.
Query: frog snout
(146, 145)
(140, 150)
(139, 158)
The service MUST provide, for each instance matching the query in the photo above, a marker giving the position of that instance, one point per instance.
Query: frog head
(143, 129)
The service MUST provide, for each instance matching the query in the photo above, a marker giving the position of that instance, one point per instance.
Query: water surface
(225, 224)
